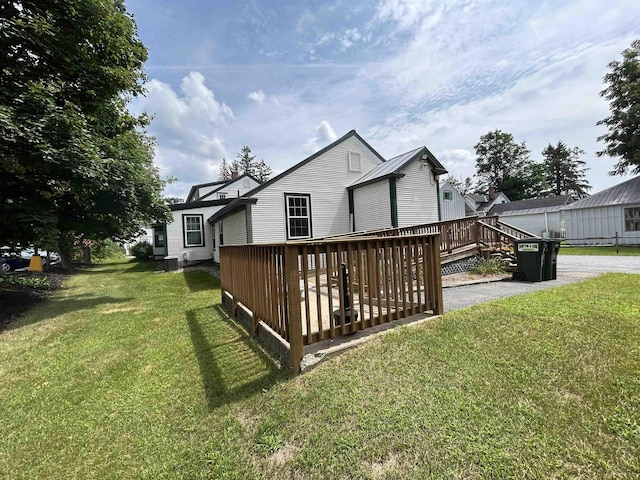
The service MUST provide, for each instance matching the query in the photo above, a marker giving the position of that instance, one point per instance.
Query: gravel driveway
(571, 269)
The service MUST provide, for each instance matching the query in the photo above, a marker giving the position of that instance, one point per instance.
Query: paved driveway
(571, 269)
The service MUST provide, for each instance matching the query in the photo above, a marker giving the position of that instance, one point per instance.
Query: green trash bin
(550, 269)
(530, 256)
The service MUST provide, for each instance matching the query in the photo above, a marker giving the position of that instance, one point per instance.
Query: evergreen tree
(246, 161)
(224, 171)
(622, 139)
(565, 172)
(262, 171)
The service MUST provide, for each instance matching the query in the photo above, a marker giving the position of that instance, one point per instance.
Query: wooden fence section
(297, 289)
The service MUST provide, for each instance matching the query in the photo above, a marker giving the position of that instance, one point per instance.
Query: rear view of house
(346, 186)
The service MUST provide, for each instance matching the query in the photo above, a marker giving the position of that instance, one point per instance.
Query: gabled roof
(477, 198)
(201, 185)
(625, 193)
(393, 167)
(225, 183)
(234, 206)
(530, 206)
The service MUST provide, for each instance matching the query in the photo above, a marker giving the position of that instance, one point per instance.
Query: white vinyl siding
(325, 179)
(175, 236)
(598, 226)
(193, 230)
(235, 228)
(372, 206)
(454, 207)
(417, 195)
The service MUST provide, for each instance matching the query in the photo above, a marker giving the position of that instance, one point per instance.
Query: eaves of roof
(234, 206)
(199, 204)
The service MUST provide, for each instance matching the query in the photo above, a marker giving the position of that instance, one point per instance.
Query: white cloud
(257, 96)
(324, 136)
(188, 127)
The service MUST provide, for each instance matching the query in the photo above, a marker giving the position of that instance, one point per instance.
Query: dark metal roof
(624, 193)
(227, 182)
(199, 204)
(200, 185)
(393, 167)
(235, 205)
(532, 205)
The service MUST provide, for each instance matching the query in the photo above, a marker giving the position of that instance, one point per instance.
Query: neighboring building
(233, 188)
(452, 202)
(481, 204)
(346, 186)
(189, 236)
(597, 219)
(543, 217)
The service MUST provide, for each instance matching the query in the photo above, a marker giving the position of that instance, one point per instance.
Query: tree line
(506, 165)
(244, 163)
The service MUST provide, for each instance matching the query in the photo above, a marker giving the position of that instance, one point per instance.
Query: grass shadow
(198, 281)
(232, 365)
(60, 306)
(100, 269)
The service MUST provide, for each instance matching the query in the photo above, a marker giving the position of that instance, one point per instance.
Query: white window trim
(185, 231)
(307, 198)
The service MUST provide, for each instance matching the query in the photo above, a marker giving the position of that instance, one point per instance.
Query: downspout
(394, 202)
(438, 195)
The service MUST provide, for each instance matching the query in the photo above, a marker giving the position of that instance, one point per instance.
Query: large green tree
(505, 165)
(622, 139)
(565, 172)
(74, 163)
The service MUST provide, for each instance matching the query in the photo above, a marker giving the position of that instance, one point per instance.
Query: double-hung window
(192, 226)
(632, 219)
(298, 211)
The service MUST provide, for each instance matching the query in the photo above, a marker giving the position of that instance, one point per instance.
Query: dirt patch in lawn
(17, 299)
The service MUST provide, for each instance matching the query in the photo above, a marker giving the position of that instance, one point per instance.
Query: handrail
(517, 229)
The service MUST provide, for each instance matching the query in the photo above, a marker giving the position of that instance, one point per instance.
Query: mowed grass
(130, 374)
(623, 251)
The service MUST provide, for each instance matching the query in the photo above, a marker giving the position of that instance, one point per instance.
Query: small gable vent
(355, 164)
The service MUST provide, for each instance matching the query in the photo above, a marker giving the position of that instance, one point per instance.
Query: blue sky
(289, 77)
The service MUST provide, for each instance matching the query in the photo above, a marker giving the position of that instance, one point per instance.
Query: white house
(598, 219)
(543, 217)
(189, 236)
(347, 186)
(452, 203)
(481, 204)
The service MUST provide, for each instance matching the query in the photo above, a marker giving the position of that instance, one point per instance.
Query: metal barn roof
(625, 193)
(533, 205)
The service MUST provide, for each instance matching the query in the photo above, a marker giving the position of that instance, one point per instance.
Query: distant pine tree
(224, 173)
(262, 171)
(565, 172)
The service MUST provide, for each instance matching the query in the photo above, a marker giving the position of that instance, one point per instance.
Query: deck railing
(298, 291)
(454, 234)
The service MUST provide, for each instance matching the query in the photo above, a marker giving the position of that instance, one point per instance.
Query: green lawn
(565, 250)
(127, 373)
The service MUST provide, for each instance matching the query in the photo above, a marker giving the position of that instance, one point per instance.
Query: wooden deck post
(294, 317)
(437, 276)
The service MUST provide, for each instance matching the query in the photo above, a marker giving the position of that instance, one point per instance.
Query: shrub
(35, 282)
(489, 266)
(142, 250)
(106, 250)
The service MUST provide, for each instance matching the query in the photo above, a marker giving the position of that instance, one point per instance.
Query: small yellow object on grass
(35, 264)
